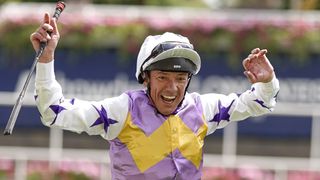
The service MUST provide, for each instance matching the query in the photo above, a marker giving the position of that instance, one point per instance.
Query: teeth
(169, 97)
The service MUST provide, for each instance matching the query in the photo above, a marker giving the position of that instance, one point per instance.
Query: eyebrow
(166, 72)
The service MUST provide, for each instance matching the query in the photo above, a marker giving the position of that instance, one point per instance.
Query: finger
(264, 59)
(47, 27)
(54, 26)
(46, 18)
(255, 50)
(250, 76)
(44, 33)
(35, 38)
(252, 56)
(262, 52)
(39, 36)
(245, 63)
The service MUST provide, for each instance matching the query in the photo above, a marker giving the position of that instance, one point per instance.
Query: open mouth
(168, 99)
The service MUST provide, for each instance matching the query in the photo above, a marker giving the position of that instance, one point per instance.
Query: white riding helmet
(170, 52)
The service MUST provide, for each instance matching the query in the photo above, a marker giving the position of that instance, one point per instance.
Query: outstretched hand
(257, 66)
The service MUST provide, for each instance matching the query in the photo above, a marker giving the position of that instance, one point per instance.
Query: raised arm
(95, 118)
(260, 99)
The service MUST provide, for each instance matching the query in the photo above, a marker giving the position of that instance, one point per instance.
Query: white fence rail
(21, 155)
(228, 159)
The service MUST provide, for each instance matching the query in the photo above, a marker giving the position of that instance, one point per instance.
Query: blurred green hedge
(193, 3)
(296, 40)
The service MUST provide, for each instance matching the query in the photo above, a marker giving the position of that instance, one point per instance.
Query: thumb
(54, 26)
(250, 76)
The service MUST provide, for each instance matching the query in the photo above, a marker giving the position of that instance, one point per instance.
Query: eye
(182, 79)
(161, 78)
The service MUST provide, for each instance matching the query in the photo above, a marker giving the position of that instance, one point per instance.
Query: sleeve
(105, 118)
(220, 109)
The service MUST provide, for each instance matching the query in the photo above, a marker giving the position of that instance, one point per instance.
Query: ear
(146, 79)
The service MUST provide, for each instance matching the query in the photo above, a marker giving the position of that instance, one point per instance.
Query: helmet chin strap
(146, 74)
(185, 91)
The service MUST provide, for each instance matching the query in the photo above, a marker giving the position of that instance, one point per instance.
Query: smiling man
(156, 132)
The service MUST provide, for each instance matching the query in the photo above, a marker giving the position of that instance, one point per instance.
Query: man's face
(167, 89)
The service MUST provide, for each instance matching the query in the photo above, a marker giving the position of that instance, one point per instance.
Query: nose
(172, 85)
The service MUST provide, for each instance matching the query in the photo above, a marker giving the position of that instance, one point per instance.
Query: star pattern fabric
(56, 109)
(223, 113)
(35, 98)
(261, 103)
(103, 119)
(276, 96)
(72, 101)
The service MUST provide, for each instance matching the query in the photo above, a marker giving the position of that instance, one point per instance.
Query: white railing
(280, 165)
(21, 155)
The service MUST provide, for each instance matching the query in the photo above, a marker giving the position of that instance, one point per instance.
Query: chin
(167, 109)
(167, 113)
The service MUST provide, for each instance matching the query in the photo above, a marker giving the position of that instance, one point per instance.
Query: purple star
(35, 98)
(261, 103)
(56, 109)
(103, 119)
(276, 96)
(223, 113)
(72, 101)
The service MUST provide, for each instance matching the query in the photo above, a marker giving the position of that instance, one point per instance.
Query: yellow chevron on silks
(173, 134)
